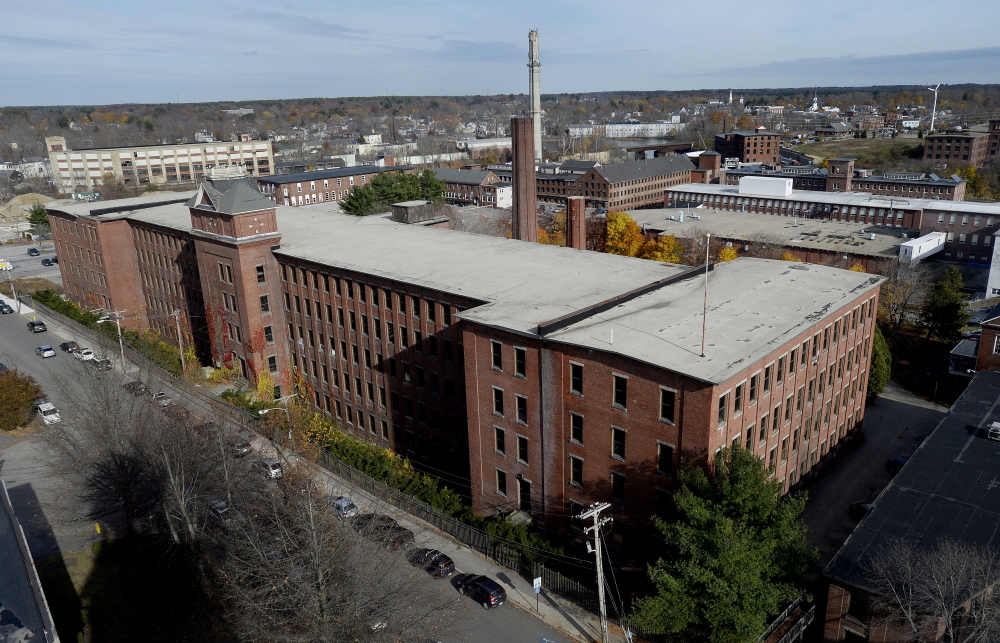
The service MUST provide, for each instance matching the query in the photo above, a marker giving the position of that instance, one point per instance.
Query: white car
(49, 413)
(84, 354)
(344, 507)
(45, 351)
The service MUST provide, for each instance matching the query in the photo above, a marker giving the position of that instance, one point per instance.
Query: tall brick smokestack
(525, 220)
(535, 90)
(576, 223)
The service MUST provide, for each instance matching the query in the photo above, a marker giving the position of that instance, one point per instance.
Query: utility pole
(180, 338)
(595, 513)
(117, 314)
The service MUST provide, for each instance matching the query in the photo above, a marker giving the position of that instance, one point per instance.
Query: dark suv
(37, 326)
(485, 591)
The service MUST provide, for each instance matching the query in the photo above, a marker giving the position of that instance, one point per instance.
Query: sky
(109, 52)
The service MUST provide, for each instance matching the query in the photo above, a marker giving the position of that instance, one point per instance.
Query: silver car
(270, 468)
(344, 507)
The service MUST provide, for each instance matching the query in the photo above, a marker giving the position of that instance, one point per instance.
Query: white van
(993, 433)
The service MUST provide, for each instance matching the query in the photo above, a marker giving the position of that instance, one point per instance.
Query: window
(738, 400)
(576, 378)
(618, 443)
(498, 401)
(268, 334)
(617, 486)
(723, 415)
(501, 482)
(272, 364)
(265, 305)
(522, 409)
(667, 402)
(497, 355)
(500, 440)
(781, 371)
(522, 449)
(576, 428)
(767, 379)
(520, 359)
(621, 391)
(665, 459)
(576, 471)
(753, 390)
(260, 275)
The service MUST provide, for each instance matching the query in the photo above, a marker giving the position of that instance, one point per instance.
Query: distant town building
(242, 111)
(183, 164)
(30, 168)
(658, 129)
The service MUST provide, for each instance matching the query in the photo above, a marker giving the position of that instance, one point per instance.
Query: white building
(31, 168)
(82, 170)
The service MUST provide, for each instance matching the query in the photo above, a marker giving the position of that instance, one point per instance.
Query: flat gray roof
(945, 490)
(755, 304)
(864, 199)
(819, 234)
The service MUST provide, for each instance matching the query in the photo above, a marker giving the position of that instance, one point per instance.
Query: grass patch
(29, 285)
(868, 151)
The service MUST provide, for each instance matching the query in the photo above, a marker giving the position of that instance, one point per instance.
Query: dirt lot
(868, 151)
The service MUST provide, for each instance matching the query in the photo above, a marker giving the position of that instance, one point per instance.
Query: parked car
(241, 447)
(99, 363)
(136, 388)
(5, 308)
(36, 326)
(343, 506)
(3, 367)
(270, 468)
(895, 464)
(55, 259)
(484, 590)
(993, 432)
(68, 347)
(84, 354)
(161, 398)
(220, 511)
(49, 413)
(860, 509)
(46, 262)
(393, 538)
(33, 252)
(45, 351)
(432, 561)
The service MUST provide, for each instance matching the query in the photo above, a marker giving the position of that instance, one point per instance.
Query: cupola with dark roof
(233, 209)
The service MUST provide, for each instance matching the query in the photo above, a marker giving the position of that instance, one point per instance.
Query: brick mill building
(474, 187)
(620, 186)
(757, 146)
(842, 176)
(544, 377)
(321, 186)
(961, 149)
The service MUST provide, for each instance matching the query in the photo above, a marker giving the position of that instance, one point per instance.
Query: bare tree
(296, 572)
(902, 291)
(947, 588)
(765, 245)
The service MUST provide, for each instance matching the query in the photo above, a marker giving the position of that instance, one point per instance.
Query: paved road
(53, 523)
(43, 503)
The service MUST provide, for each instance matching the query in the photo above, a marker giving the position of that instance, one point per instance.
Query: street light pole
(288, 415)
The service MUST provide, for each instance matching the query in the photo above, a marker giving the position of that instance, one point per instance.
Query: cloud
(954, 66)
(23, 41)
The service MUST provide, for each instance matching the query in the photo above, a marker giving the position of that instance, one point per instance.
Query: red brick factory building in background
(544, 377)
